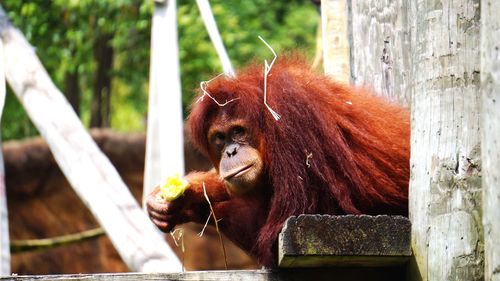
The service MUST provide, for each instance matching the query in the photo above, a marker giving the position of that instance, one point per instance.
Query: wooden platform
(316, 274)
(311, 247)
(363, 241)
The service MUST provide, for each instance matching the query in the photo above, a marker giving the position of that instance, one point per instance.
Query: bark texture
(101, 99)
(72, 89)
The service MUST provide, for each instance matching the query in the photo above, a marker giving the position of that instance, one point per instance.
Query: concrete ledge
(365, 241)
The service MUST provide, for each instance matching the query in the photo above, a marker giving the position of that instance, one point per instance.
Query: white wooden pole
(334, 23)
(89, 172)
(490, 84)
(213, 32)
(4, 218)
(165, 140)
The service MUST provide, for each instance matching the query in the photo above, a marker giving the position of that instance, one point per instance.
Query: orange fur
(336, 149)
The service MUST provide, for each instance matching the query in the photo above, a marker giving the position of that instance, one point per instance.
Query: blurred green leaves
(63, 33)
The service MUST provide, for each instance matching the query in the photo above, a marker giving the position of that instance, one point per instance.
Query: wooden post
(213, 32)
(334, 19)
(380, 47)
(490, 84)
(445, 185)
(4, 218)
(88, 170)
(164, 145)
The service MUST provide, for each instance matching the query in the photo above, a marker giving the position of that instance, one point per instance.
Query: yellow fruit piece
(173, 187)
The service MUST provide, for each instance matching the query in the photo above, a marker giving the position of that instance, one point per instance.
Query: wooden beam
(213, 32)
(88, 170)
(4, 218)
(334, 19)
(317, 274)
(445, 185)
(380, 47)
(490, 135)
(363, 241)
(164, 146)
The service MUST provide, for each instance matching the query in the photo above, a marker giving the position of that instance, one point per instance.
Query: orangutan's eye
(238, 131)
(218, 138)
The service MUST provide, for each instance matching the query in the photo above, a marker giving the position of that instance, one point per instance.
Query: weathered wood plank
(323, 240)
(380, 47)
(334, 19)
(191, 276)
(164, 147)
(88, 170)
(4, 218)
(445, 186)
(490, 140)
(317, 274)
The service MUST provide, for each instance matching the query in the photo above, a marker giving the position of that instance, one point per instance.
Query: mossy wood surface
(365, 241)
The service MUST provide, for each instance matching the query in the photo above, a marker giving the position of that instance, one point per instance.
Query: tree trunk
(380, 47)
(4, 218)
(490, 76)
(72, 89)
(90, 173)
(445, 185)
(101, 107)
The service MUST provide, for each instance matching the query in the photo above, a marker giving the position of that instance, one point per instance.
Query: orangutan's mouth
(239, 171)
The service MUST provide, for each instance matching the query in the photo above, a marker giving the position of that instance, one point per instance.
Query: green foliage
(286, 25)
(63, 32)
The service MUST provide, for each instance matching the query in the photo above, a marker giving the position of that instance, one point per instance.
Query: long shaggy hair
(335, 150)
